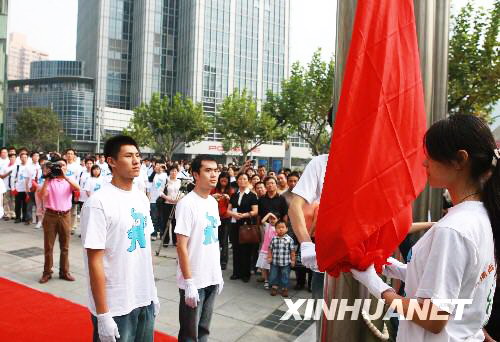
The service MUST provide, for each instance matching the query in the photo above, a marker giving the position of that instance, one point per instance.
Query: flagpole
(432, 29)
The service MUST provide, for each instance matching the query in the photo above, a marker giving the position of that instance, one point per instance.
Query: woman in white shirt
(455, 259)
(94, 182)
(171, 195)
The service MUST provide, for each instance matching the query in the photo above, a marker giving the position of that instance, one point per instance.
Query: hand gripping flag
(374, 170)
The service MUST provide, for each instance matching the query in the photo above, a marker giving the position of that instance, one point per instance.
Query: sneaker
(274, 291)
(153, 237)
(38, 225)
(73, 231)
(266, 285)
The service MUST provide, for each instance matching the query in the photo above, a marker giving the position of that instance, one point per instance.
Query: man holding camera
(57, 193)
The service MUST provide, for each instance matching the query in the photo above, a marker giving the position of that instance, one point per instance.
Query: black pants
(300, 273)
(223, 240)
(165, 212)
(242, 254)
(22, 207)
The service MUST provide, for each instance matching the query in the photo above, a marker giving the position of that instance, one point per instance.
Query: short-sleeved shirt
(281, 249)
(59, 195)
(20, 175)
(277, 204)
(118, 222)
(248, 199)
(310, 184)
(453, 260)
(157, 186)
(198, 219)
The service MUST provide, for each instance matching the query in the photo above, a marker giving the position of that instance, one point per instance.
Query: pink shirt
(269, 233)
(59, 195)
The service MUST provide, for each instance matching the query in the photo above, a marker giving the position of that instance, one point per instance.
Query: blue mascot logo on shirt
(97, 187)
(136, 233)
(209, 230)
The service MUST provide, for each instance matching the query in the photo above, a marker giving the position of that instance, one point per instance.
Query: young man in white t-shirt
(22, 182)
(74, 171)
(115, 226)
(199, 274)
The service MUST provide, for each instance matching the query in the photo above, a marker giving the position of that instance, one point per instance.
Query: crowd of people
(208, 209)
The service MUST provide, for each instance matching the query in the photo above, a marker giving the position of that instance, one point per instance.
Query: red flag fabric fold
(374, 170)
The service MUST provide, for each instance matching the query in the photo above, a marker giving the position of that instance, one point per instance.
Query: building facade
(203, 49)
(58, 85)
(4, 6)
(20, 57)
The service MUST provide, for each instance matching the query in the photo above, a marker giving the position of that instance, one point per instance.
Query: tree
(164, 124)
(38, 129)
(304, 101)
(474, 61)
(242, 126)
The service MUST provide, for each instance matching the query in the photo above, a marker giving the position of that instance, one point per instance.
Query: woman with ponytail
(456, 258)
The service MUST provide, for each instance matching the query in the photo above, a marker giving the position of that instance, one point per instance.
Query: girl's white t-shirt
(93, 184)
(157, 186)
(119, 222)
(453, 260)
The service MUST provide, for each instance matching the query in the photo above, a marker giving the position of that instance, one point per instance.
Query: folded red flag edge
(374, 170)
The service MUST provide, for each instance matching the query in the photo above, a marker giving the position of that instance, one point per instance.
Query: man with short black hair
(261, 171)
(281, 181)
(115, 226)
(56, 194)
(22, 181)
(199, 275)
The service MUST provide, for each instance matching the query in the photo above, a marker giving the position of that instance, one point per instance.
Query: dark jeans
(29, 206)
(22, 207)
(242, 254)
(136, 326)
(153, 208)
(195, 323)
(279, 276)
(165, 211)
(223, 240)
(317, 283)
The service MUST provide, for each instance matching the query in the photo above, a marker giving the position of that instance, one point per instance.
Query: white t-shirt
(157, 186)
(20, 175)
(93, 184)
(119, 222)
(198, 219)
(74, 170)
(140, 184)
(4, 168)
(310, 184)
(454, 259)
(105, 171)
(84, 176)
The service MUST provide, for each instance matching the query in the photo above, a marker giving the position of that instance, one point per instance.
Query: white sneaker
(38, 225)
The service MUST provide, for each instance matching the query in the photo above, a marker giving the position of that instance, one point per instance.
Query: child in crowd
(281, 256)
(269, 222)
(95, 181)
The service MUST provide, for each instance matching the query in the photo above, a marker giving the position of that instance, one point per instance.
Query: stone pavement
(243, 312)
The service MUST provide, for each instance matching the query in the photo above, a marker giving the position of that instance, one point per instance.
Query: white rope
(383, 336)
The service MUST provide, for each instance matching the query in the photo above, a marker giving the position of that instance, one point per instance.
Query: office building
(4, 5)
(20, 57)
(58, 85)
(203, 49)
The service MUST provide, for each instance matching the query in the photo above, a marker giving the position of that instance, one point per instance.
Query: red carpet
(30, 315)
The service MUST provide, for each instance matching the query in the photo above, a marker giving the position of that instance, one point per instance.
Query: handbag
(249, 233)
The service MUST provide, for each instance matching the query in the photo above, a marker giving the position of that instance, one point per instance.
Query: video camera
(54, 170)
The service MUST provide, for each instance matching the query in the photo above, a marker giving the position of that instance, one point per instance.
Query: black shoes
(234, 277)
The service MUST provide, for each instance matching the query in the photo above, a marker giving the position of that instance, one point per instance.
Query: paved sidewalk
(243, 312)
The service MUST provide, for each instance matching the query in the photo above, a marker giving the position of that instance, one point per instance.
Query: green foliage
(38, 129)
(243, 126)
(304, 101)
(474, 68)
(165, 125)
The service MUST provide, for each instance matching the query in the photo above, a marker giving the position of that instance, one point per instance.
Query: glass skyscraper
(4, 6)
(58, 85)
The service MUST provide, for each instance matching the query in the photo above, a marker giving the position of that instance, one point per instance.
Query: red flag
(374, 170)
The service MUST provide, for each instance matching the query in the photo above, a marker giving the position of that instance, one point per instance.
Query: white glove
(191, 296)
(396, 269)
(308, 255)
(219, 287)
(157, 308)
(107, 328)
(371, 280)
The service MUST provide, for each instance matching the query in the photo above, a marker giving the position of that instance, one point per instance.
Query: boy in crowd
(281, 256)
